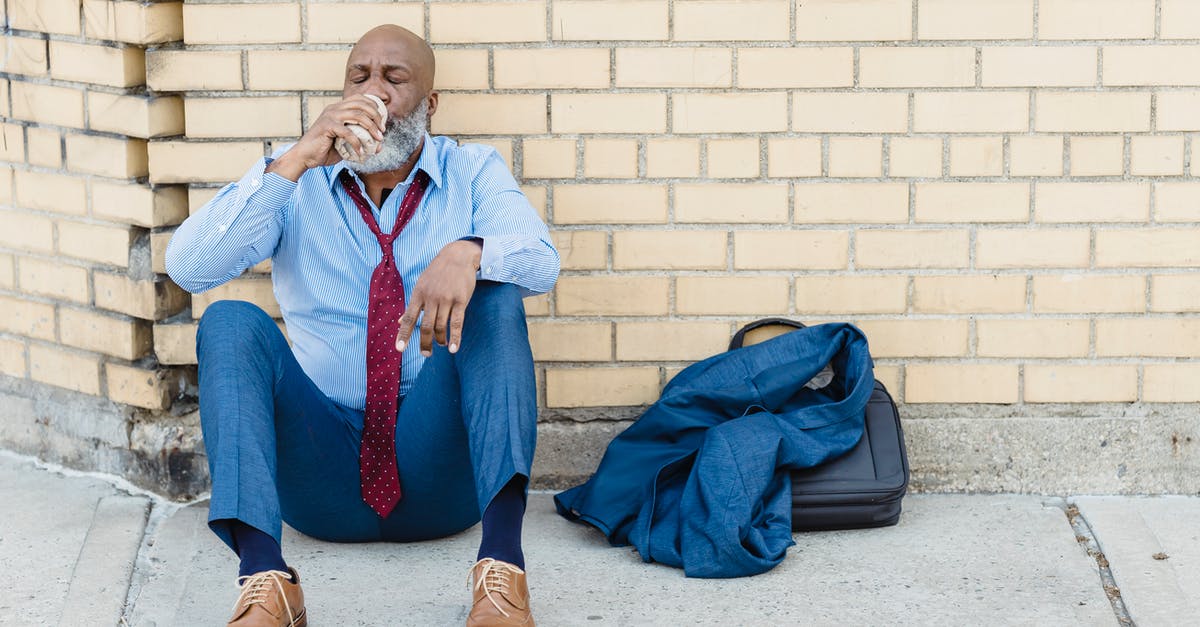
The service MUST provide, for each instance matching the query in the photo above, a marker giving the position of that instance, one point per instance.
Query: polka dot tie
(377, 457)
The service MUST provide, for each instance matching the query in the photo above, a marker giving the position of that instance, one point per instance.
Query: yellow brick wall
(1000, 192)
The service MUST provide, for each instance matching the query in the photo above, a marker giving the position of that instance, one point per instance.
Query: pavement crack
(1087, 539)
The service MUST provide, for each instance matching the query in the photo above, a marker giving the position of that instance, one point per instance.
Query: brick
(916, 67)
(670, 341)
(969, 294)
(23, 55)
(554, 68)
(295, 69)
(1092, 202)
(607, 113)
(175, 344)
(4, 92)
(839, 203)
(65, 369)
(151, 299)
(127, 339)
(571, 341)
(889, 376)
(581, 250)
(487, 114)
(158, 251)
(731, 295)
(850, 113)
(241, 23)
(51, 192)
(48, 16)
(972, 202)
(139, 204)
(619, 20)
(1178, 111)
(669, 250)
(12, 358)
(858, 20)
(613, 203)
(979, 19)
(1031, 338)
(95, 242)
(729, 113)
(1096, 19)
(536, 195)
(793, 156)
(549, 158)
(1170, 383)
(1039, 66)
(1147, 248)
(8, 275)
(960, 383)
(1097, 155)
(102, 65)
(107, 156)
(255, 290)
(671, 157)
(133, 22)
(673, 67)
(794, 67)
(728, 203)
(610, 158)
(27, 318)
(457, 69)
(791, 250)
(135, 116)
(601, 387)
(1090, 383)
(851, 294)
(970, 112)
(1035, 155)
(45, 147)
(1156, 156)
(342, 22)
(53, 279)
(1177, 202)
(483, 22)
(1095, 112)
(915, 156)
(726, 20)
(1077, 293)
(1151, 65)
(1175, 293)
(188, 70)
(733, 158)
(24, 231)
(911, 249)
(537, 305)
(271, 116)
(1180, 19)
(61, 106)
(12, 143)
(503, 147)
(191, 162)
(1032, 248)
(611, 296)
(140, 387)
(976, 156)
(855, 156)
(916, 338)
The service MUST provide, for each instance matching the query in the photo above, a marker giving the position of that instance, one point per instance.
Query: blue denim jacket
(700, 481)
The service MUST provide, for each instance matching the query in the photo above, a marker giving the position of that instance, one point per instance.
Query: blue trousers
(280, 450)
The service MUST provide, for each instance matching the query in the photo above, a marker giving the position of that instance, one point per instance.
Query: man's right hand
(315, 147)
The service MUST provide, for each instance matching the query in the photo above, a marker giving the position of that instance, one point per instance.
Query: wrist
(289, 165)
(470, 251)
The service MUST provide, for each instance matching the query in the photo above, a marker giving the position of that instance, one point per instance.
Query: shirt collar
(428, 161)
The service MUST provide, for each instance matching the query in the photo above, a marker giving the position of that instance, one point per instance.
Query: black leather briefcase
(860, 489)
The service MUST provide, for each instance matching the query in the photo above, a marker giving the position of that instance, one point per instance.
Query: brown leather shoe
(271, 598)
(500, 596)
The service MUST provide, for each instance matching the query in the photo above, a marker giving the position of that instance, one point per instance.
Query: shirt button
(254, 182)
(489, 269)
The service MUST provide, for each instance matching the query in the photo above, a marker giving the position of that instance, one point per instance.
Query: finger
(407, 322)
(367, 122)
(427, 330)
(439, 325)
(371, 110)
(352, 140)
(456, 325)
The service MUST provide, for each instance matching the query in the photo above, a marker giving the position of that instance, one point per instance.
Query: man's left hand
(442, 292)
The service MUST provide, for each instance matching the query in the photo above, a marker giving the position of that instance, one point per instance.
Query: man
(406, 408)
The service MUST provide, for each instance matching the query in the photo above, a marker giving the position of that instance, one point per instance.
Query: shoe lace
(495, 576)
(257, 588)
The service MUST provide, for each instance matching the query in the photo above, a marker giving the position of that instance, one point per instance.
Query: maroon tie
(377, 457)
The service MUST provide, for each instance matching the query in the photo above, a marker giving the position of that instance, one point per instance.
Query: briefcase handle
(740, 336)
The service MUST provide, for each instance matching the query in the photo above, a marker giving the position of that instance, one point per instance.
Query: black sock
(257, 550)
(502, 524)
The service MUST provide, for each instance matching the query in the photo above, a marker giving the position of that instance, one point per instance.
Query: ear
(433, 102)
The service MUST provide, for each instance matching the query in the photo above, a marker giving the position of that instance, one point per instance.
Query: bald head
(389, 46)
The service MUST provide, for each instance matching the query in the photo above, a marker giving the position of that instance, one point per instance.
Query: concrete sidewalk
(78, 550)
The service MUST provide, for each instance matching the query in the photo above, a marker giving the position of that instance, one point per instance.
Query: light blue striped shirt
(323, 254)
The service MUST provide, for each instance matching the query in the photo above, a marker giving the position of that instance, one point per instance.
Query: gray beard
(401, 137)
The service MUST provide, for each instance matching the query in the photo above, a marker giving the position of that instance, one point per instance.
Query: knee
(498, 304)
(232, 322)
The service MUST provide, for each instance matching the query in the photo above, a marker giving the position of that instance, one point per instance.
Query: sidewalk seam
(1087, 539)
